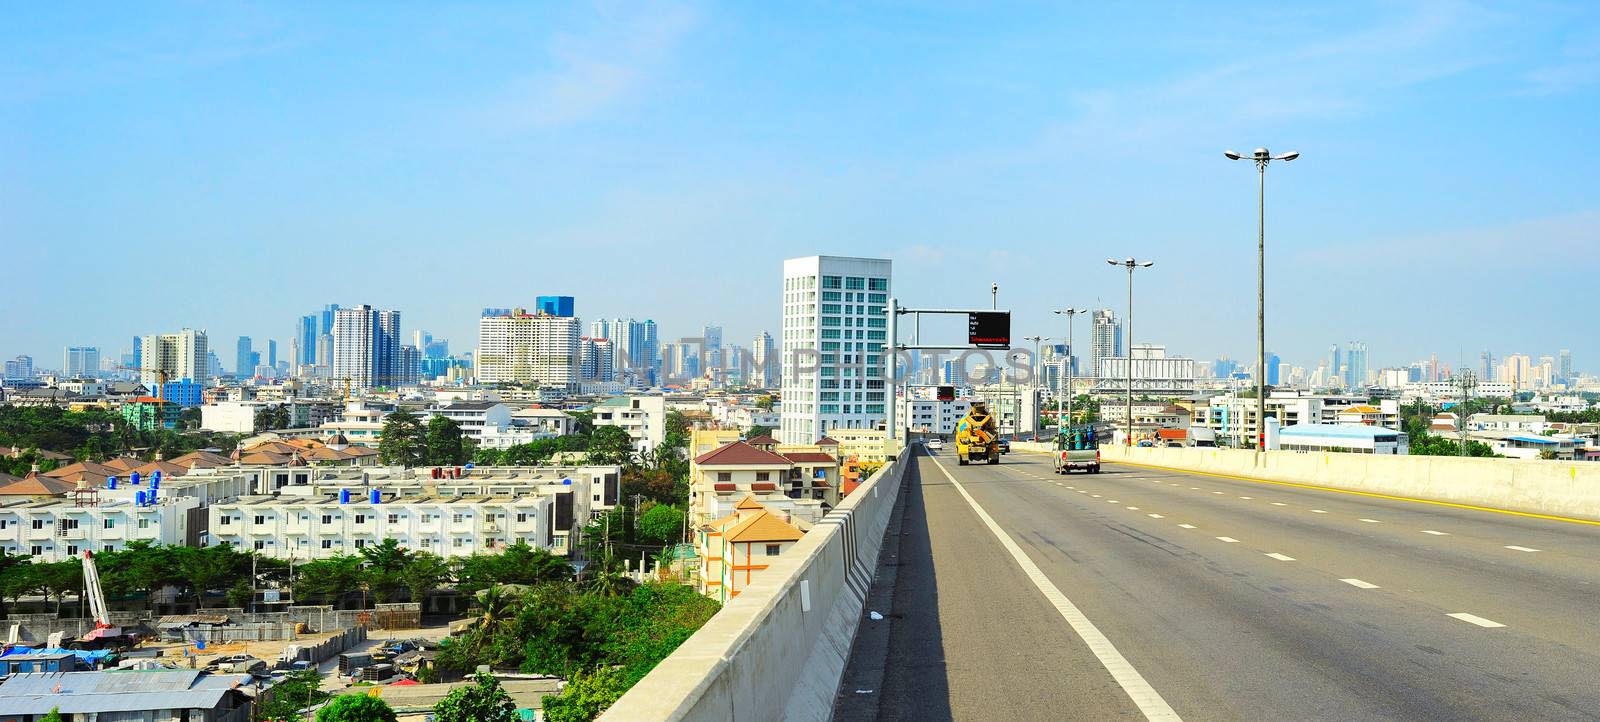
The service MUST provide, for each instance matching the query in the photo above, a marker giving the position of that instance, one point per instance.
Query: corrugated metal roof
(118, 691)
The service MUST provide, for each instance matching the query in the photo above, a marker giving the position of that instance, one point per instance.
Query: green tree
(329, 580)
(518, 563)
(764, 402)
(757, 430)
(205, 568)
(384, 564)
(582, 422)
(402, 442)
(483, 701)
(356, 708)
(610, 445)
(241, 595)
(423, 573)
(53, 716)
(445, 446)
(585, 696)
(661, 525)
(292, 696)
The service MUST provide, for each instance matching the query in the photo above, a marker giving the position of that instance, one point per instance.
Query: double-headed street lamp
(1069, 313)
(1033, 371)
(1130, 264)
(1262, 157)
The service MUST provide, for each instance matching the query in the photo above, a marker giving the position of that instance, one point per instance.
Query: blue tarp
(91, 656)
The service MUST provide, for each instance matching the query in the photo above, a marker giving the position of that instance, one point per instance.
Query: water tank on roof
(138, 498)
(566, 482)
(344, 496)
(111, 482)
(155, 478)
(134, 478)
(376, 496)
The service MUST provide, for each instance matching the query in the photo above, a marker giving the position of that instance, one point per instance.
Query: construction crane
(162, 376)
(105, 634)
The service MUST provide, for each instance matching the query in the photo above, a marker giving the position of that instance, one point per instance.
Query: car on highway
(1005, 444)
(934, 444)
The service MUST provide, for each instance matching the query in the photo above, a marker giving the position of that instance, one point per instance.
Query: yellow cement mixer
(977, 437)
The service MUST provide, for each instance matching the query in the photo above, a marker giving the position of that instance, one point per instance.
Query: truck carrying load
(1078, 448)
(977, 436)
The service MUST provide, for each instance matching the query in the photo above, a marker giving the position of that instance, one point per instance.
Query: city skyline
(624, 151)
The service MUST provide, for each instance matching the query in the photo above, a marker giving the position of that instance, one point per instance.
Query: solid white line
(1435, 533)
(1227, 539)
(1475, 619)
(1143, 695)
(1359, 584)
(1186, 526)
(1520, 549)
(1280, 557)
(1372, 521)
(1155, 516)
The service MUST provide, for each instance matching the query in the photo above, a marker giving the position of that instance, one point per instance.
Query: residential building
(596, 359)
(835, 322)
(554, 305)
(1517, 423)
(80, 361)
(366, 347)
(643, 416)
(800, 480)
(19, 368)
(1105, 340)
(301, 527)
(59, 529)
(517, 347)
(764, 354)
(361, 424)
(172, 356)
(148, 413)
(923, 413)
(736, 548)
(636, 349)
(475, 418)
(245, 359)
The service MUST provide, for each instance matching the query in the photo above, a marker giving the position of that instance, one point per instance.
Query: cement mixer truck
(977, 437)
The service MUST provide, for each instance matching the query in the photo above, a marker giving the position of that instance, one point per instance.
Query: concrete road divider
(778, 650)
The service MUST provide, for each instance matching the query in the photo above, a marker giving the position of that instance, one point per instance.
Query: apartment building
(644, 417)
(59, 529)
(296, 527)
(518, 347)
(835, 327)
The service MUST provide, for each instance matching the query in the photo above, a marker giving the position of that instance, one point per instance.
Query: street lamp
(1069, 313)
(1130, 264)
(1262, 157)
(1034, 369)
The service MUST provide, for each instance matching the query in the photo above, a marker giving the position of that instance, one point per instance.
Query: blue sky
(230, 167)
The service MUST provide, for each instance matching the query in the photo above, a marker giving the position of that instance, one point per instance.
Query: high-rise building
(182, 355)
(712, 358)
(80, 361)
(1565, 368)
(19, 368)
(1335, 367)
(635, 345)
(1224, 367)
(244, 358)
(554, 305)
(1356, 363)
(366, 347)
(410, 365)
(1486, 367)
(835, 324)
(1106, 339)
(1274, 364)
(680, 362)
(596, 359)
(528, 348)
(305, 341)
(764, 353)
(272, 353)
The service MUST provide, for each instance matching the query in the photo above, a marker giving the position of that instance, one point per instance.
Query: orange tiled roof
(763, 527)
(739, 453)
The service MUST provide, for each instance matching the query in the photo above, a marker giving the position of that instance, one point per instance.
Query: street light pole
(1033, 369)
(1069, 313)
(1262, 157)
(1130, 264)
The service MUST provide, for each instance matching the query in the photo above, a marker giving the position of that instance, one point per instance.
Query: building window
(327, 543)
(260, 545)
(458, 518)
(327, 518)
(110, 548)
(38, 524)
(37, 550)
(72, 550)
(260, 519)
(361, 543)
(427, 542)
(458, 542)
(721, 476)
(521, 517)
(763, 476)
(224, 521)
(111, 523)
(394, 518)
(145, 523)
(361, 518)
(772, 550)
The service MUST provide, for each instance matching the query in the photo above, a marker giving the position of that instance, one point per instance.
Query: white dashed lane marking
(1435, 533)
(1247, 498)
(1372, 521)
(1279, 503)
(1359, 584)
(1280, 557)
(1155, 516)
(1475, 619)
(1318, 511)
(1227, 540)
(1514, 547)
(1186, 526)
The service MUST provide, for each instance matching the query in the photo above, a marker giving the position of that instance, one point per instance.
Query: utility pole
(1262, 158)
(1034, 369)
(1130, 264)
(1468, 382)
(1071, 353)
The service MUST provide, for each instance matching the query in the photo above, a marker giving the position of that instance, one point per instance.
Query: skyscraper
(528, 348)
(636, 347)
(19, 368)
(1565, 369)
(244, 365)
(713, 358)
(1335, 367)
(1273, 365)
(79, 361)
(1356, 362)
(272, 353)
(183, 356)
(1486, 367)
(305, 340)
(324, 349)
(1106, 340)
(366, 347)
(835, 323)
(765, 355)
(554, 305)
(596, 360)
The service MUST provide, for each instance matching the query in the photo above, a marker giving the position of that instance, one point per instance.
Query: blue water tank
(376, 496)
(344, 496)
(111, 482)
(138, 498)
(155, 478)
(567, 482)
(469, 465)
(134, 478)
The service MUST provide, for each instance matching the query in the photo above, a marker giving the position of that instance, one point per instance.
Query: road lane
(1306, 616)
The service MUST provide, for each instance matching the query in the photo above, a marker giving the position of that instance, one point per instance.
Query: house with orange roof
(803, 484)
(736, 548)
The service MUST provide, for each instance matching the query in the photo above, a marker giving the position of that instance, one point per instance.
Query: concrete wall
(1560, 488)
(778, 650)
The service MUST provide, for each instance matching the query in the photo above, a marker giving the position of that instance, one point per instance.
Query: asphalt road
(1159, 594)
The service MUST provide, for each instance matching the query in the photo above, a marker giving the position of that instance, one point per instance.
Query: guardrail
(778, 650)
(1557, 488)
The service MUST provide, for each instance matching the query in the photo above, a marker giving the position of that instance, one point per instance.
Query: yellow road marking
(1375, 495)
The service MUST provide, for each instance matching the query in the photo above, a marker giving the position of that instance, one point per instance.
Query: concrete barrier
(778, 650)
(1558, 488)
